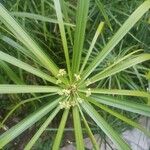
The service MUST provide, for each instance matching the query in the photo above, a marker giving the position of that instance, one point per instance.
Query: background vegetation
(41, 19)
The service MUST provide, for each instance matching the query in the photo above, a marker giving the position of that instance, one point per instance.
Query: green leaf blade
(58, 138)
(14, 61)
(97, 33)
(78, 129)
(8, 89)
(23, 37)
(81, 19)
(129, 23)
(26, 123)
(38, 17)
(107, 129)
(63, 34)
(120, 67)
(138, 108)
(121, 117)
(41, 129)
(136, 93)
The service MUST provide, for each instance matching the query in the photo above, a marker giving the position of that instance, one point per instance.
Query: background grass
(48, 37)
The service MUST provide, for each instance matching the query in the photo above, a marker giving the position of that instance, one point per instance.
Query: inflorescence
(71, 97)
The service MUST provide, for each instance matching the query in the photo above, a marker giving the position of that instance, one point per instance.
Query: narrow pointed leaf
(63, 34)
(7, 89)
(102, 9)
(43, 14)
(10, 73)
(14, 61)
(59, 135)
(16, 45)
(120, 66)
(121, 60)
(127, 105)
(42, 129)
(22, 103)
(38, 17)
(78, 129)
(23, 37)
(121, 117)
(98, 31)
(16, 130)
(135, 93)
(106, 128)
(129, 23)
(64, 7)
(91, 136)
(81, 19)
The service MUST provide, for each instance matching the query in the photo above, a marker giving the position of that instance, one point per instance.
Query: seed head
(61, 73)
(88, 82)
(88, 92)
(58, 81)
(77, 77)
(66, 92)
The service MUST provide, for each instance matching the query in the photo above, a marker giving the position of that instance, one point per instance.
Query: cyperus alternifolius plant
(75, 88)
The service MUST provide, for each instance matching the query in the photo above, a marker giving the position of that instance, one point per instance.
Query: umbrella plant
(74, 89)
